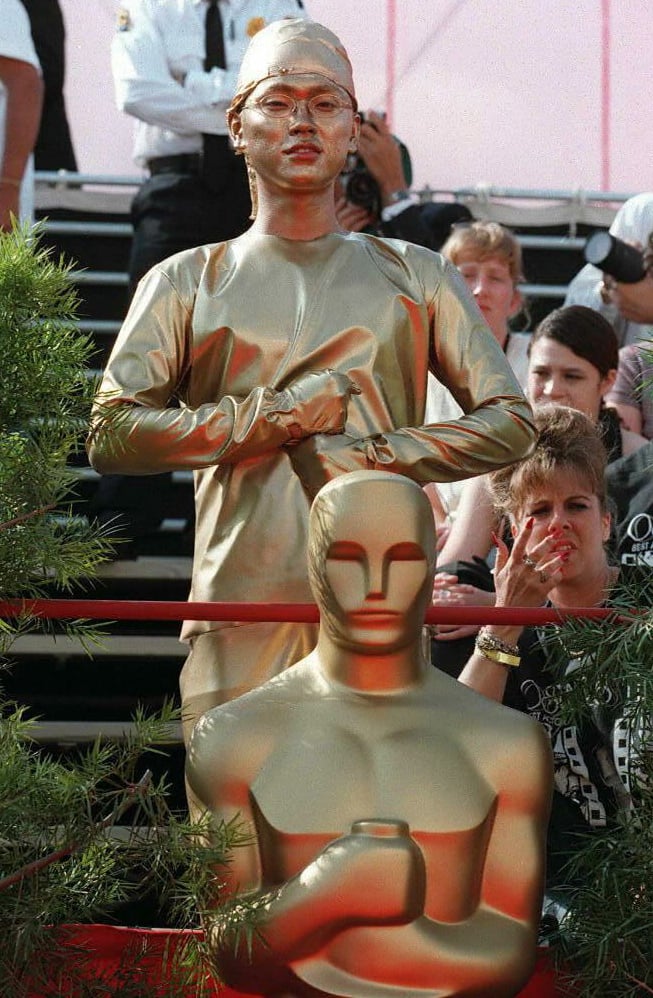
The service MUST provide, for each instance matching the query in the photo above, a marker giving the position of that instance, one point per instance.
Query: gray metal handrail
(124, 230)
(101, 327)
(578, 196)
(61, 227)
(64, 178)
(115, 277)
(543, 290)
(481, 195)
(551, 242)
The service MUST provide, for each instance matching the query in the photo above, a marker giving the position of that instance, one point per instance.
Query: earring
(253, 189)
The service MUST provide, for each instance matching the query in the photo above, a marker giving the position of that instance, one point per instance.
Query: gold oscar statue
(397, 818)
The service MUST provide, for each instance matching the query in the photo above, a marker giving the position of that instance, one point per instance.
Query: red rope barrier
(300, 613)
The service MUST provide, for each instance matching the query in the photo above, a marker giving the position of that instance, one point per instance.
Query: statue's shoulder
(263, 708)
(505, 730)
(229, 745)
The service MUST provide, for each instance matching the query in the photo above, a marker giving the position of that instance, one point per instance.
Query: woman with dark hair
(573, 360)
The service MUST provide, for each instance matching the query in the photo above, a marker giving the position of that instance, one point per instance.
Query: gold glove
(316, 403)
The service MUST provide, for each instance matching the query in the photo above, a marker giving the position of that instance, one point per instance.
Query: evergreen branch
(30, 869)
(640, 984)
(26, 516)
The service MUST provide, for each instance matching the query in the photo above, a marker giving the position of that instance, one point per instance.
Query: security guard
(177, 81)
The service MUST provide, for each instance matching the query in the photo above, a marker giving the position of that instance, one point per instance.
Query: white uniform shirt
(158, 68)
(16, 43)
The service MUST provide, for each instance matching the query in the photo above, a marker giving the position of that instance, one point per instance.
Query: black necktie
(213, 156)
(214, 36)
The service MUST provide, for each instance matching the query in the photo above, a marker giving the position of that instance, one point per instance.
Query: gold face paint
(293, 47)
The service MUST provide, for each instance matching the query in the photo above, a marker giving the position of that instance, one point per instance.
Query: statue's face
(376, 577)
(305, 150)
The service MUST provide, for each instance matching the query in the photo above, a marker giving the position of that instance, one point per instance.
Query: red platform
(111, 947)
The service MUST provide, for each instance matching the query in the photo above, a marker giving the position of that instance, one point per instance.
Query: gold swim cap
(293, 46)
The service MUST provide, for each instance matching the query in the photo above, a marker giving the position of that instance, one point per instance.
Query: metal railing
(525, 206)
(64, 179)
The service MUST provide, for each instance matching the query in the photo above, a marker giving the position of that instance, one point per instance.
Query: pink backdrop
(487, 90)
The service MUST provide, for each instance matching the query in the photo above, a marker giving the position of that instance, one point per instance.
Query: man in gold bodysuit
(396, 823)
(295, 352)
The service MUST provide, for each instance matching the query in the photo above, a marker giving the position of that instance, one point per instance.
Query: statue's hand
(318, 403)
(380, 879)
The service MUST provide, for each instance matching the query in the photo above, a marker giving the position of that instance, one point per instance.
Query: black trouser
(174, 210)
(54, 148)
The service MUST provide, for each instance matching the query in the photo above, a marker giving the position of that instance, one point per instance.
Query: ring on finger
(528, 562)
(544, 577)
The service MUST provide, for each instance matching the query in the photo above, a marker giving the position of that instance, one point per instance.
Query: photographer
(374, 193)
(628, 307)
(633, 301)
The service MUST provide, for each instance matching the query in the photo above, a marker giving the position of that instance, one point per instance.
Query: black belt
(187, 162)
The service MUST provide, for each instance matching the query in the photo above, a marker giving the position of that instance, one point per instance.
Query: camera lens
(362, 189)
(614, 257)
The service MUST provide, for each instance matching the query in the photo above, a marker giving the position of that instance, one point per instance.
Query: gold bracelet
(11, 181)
(496, 650)
(500, 657)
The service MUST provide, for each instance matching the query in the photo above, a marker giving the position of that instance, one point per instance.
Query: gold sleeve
(496, 428)
(136, 431)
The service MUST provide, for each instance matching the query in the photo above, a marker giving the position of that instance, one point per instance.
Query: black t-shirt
(587, 788)
(583, 766)
(630, 486)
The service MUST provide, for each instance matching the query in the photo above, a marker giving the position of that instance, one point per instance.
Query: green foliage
(78, 838)
(45, 399)
(607, 944)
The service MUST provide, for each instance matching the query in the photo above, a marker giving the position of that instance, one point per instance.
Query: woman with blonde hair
(557, 506)
(489, 259)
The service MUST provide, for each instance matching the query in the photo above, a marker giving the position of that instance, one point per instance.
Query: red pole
(304, 613)
(605, 95)
(390, 60)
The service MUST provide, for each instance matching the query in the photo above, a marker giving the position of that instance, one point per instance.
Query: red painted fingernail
(495, 538)
(530, 521)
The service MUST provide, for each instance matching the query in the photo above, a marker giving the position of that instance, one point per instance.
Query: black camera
(360, 186)
(614, 257)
